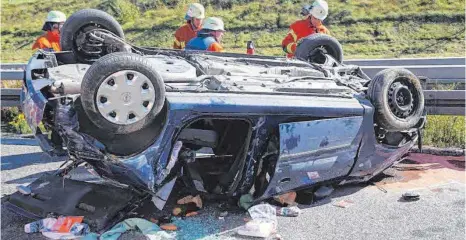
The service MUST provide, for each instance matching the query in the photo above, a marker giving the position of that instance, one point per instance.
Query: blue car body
(323, 136)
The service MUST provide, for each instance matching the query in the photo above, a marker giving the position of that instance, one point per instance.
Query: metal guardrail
(13, 66)
(10, 97)
(445, 102)
(440, 70)
(443, 74)
(16, 74)
(407, 61)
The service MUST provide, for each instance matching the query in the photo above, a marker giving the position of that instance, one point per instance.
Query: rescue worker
(209, 37)
(315, 14)
(194, 16)
(50, 40)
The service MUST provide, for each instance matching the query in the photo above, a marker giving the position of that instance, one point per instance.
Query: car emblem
(126, 97)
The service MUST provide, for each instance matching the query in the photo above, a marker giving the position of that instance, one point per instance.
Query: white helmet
(319, 9)
(213, 23)
(195, 10)
(56, 16)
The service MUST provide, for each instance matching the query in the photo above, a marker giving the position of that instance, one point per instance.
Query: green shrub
(445, 131)
(19, 124)
(9, 114)
(123, 10)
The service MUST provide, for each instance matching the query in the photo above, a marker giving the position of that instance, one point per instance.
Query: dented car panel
(315, 151)
(324, 127)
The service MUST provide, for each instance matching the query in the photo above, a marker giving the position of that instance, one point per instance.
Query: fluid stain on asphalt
(422, 170)
(451, 162)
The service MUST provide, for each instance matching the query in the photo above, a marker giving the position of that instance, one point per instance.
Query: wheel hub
(125, 97)
(400, 100)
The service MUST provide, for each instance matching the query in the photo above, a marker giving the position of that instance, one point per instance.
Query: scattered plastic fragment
(343, 203)
(246, 201)
(263, 223)
(60, 224)
(188, 199)
(287, 198)
(146, 227)
(169, 227)
(292, 211)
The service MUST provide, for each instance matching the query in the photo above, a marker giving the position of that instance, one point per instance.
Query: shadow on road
(16, 161)
(339, 191)
(19, 141)
(27, 179)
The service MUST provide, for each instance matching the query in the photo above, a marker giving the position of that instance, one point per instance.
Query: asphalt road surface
(375, 211)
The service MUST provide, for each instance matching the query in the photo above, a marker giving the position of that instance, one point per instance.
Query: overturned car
(224, 124)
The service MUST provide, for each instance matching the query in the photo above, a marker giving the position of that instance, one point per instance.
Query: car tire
(319, 40)
(71, 35)
(122, 93)
(398, 99)
(122, 144)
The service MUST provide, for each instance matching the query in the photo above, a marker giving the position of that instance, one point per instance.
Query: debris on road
(188, 206)
(410, 196)
(343, 203)
(263, 223)
(69, 227)
(169, 227)
(190, 199)
(286, 199)
(149, 229)
(222, 215)
(245, 201)
(292, 211)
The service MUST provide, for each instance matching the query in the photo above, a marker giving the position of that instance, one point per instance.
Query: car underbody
(228, 124)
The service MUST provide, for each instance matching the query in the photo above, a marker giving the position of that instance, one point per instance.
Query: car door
(314, 151)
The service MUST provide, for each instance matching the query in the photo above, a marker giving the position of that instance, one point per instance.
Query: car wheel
(306, 49)
(122, 93)
(74, 34)
(398, 99)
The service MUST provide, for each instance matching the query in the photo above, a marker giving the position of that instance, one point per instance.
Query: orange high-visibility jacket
(215, 47)
(48, 41)
(183, 35)
(298, 30)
